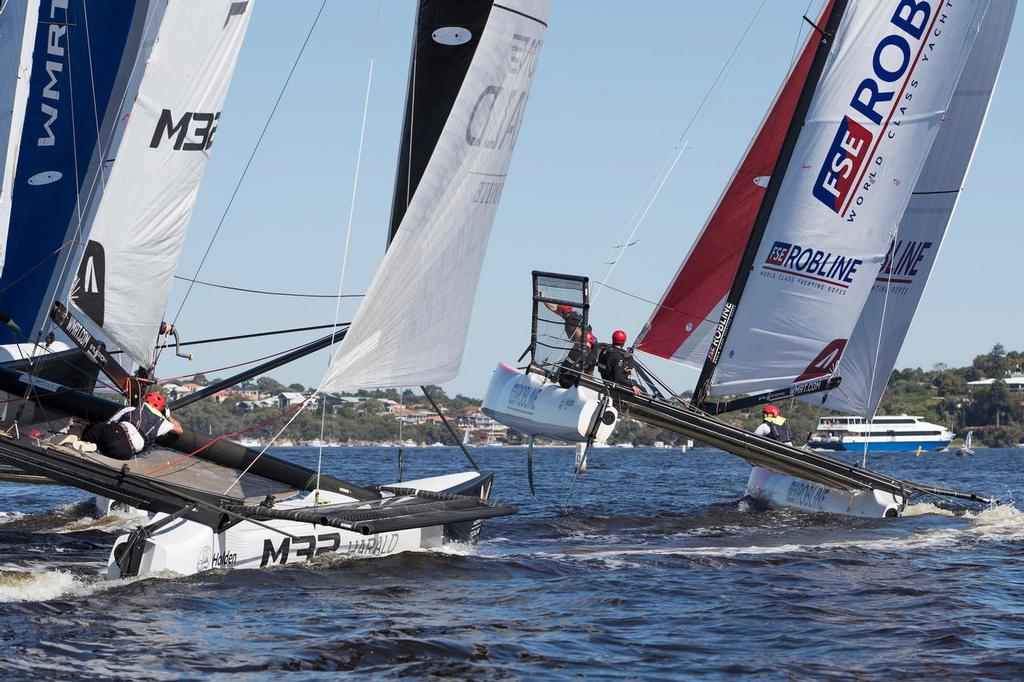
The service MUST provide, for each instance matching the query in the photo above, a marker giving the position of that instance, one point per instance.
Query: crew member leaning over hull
(133, 430)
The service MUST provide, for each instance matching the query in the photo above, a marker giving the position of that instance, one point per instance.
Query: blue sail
(81, 64)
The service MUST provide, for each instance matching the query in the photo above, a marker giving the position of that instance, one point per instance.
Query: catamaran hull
(186, 547)
(535, 406)
(779, 490)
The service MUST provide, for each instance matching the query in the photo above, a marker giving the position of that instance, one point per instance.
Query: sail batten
(411, 327)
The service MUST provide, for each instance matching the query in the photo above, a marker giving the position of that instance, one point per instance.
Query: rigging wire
(348, 234)
(248, 163)
(264, 292)
(663, 175)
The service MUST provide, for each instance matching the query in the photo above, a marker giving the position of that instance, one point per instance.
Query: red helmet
(565, 309)
(770, 410)
(619, 337)
(591, 339)
(156, 400)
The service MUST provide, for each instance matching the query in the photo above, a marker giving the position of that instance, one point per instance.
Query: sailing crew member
(580, 360)
(774, 426)
(133, 430)
(573, 320)
(11, 324)
(616, 363)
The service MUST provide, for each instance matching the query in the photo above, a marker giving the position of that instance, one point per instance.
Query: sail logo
(825, 363)
(196, 126)
(498, 112)
(812, 264)
(902, 261)
(724, 322)
(874, 102)
(56, 47)
(842, 164)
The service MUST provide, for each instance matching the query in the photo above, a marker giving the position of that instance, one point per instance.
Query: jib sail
(684, 322)
(858, 156)
(411, 327)
(126, 271)
(876, 341)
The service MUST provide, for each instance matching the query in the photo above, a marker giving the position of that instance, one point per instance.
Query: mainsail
(411, 327)
(873, 349)
(81, 58)
(137, 233)
(834, 206)
(17, 28)
(684, 322)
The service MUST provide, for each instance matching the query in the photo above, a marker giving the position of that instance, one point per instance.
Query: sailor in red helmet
(133, 429)
(616, 363)
(580, 360)
(572, 319)
(773, 426)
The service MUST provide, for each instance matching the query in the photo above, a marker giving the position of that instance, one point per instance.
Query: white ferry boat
(901, 433)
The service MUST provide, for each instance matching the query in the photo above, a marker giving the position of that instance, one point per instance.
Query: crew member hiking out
(580, 360)
(774, 426)
(133, 430)
(616, 363)
(572, 319)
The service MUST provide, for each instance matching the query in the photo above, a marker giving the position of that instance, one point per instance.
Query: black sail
(447, 34)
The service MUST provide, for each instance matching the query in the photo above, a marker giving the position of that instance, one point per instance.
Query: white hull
(534, 406)
(779, 490)
(185, 547)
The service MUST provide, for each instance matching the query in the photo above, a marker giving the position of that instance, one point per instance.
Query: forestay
(684, 322)
(126, 272)
(867, 134)
(871, 354)
(411, 327)
(17, 28)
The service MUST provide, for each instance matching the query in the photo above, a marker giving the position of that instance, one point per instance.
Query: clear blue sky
(616, 87)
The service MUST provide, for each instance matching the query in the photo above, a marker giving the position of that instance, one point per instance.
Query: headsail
(684, 322)
(861, 148)
(873, 349)
(135, 242)
(81, 60)
(17, 29)
(411, 327)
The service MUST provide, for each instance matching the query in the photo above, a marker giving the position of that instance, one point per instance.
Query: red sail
(683, 323)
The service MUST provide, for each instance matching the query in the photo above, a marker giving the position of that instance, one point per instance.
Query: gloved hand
(13, 326)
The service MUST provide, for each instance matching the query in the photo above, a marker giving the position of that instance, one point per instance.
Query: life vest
(779, 432)
(147, 422)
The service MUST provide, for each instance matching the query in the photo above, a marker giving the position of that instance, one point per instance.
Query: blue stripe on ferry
(59, 144)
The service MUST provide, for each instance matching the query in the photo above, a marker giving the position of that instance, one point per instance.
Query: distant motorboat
(903, 433)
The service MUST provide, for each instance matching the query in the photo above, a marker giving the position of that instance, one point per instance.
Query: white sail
(17, 29)
(139, 227)
(411, 326)
(871, 124)
(885, 320)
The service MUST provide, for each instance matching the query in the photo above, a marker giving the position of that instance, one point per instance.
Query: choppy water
(656, 569)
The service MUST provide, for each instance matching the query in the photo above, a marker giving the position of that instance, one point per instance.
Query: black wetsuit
(580, 360)
(616, 365)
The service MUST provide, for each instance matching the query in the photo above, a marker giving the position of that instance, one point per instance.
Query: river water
(651, 566)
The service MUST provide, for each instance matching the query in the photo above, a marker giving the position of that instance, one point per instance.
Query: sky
(614, 93)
